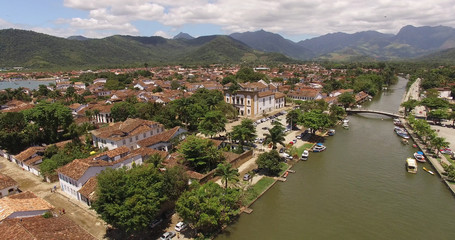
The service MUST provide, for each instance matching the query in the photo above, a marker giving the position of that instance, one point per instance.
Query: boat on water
(397, 122)
(331, 132)
(319, 147)
(411, 165)
(419, 156)
(401, 132)
(428, 171)
(404, 141)
(305, 155)
(345, 125)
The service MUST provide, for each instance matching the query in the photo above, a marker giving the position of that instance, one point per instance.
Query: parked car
(282, 150)
(265, 128)
(246, 177)
(167, 236)
(294, 141)
(156, 222)
(180, 226)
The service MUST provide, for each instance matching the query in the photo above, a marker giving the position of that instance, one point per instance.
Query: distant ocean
(30, 84)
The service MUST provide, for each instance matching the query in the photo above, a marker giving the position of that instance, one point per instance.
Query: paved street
(81, 215)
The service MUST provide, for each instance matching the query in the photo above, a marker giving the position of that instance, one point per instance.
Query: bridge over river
(354, 111)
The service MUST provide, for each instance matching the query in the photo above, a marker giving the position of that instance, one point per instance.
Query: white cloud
(288, 17)
(162, 34)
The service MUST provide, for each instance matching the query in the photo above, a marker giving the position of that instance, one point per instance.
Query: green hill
(37, 50)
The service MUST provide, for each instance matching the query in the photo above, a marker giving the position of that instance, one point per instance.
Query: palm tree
(227, 174)
(275, 135)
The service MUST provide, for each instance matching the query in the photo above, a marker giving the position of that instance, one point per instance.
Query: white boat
(331, 132)
(305, 155)
(411, 165)
(428, 171)
(346, 120)
(345, 125)
(319, 147)
(419, 156)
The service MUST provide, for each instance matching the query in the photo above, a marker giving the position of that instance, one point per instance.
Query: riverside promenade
(413, 93)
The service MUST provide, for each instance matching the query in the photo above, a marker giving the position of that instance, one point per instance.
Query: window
(124, 141)
(227, 99)
(144, 134)
(137, 137)
(248, 102)
(131, 140)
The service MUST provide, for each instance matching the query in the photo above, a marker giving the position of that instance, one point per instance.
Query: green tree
(347, 99)
(438, 143)
(315, 119)
(438, 114)
(53, 120)
(409, 105)
(212, 123)
(245, 132)
(227, 174)
(293, 117)
(200, 154)
(275, 135)
(269, 161)
(130, 199)
(208, 207)
(123, 110)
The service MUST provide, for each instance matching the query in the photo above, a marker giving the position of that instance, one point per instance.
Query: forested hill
(37, 50)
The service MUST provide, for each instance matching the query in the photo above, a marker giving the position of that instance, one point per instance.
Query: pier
(354, 111)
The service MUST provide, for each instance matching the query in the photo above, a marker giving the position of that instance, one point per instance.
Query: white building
(75, 175)
(126, 133)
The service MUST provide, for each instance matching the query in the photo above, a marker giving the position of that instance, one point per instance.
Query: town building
(253, 99)
(76, 174)
(30, 159)
(8, 186)
(163, 141)
(126, 133)
(23, 205)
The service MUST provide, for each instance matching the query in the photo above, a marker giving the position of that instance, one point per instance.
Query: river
(30, 84)
(357, 189)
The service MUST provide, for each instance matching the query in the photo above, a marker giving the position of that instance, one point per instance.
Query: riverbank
(413, 93)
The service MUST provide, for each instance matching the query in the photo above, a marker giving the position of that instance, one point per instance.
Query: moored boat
(419, 156)
(319, 147)
(397, 122)
(411, 165)
(401, 132)
(305, 155)
(428, 171)
(331, 132)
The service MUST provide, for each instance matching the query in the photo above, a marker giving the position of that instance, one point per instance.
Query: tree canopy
(315, 119)
(200, 154)
(269, 161)
(208, 207)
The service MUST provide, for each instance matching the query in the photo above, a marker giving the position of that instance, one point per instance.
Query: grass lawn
(448, 158)
(254, 191)
(305, 146)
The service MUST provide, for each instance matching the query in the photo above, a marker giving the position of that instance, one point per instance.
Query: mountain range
(31, 49)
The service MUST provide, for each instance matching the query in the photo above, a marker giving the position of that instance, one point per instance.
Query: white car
(180, 226)
(167, 236)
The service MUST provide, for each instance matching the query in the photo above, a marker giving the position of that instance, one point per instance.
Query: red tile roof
(6, 181)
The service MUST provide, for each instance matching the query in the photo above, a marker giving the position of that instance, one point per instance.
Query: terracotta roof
(279, 95)
(22, 202)
(6, 181)
(305, 93)
(88, 189)
(128, 128)
(161, 137)
(265, 94)
(28, 153)
(78, 167)
(39, 228)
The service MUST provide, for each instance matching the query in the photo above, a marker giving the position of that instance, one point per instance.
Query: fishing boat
(319, 147)
(419, 156)
(428, 171)
(401, 132)
(305, 155)
(411, 165)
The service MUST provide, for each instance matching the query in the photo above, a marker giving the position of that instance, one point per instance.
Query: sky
(293, 19)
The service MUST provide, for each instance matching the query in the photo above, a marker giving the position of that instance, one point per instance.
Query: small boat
(397, 122)
(404, 141)
(411, 165)
(428, 171)
(305, 155)
(401, 132)
(345, 120)
(285, 175)
(419, 156)
(319, 147)
(331, 132)
(345, 125)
